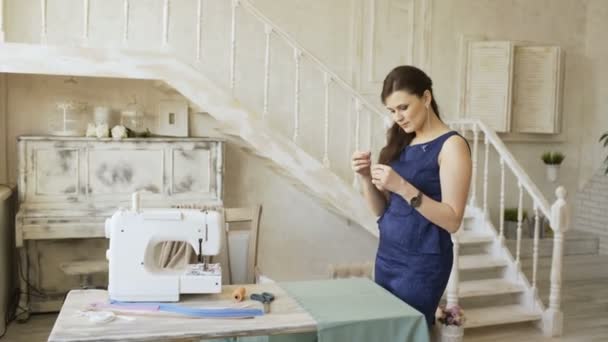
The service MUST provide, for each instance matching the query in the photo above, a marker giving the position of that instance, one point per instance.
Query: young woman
(418, 189)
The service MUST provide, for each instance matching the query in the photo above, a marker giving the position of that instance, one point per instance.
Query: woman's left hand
(385, 178)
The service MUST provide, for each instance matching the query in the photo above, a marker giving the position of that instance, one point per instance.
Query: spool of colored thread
(239, 294)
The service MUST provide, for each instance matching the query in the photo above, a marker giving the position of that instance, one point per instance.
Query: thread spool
(239, 294)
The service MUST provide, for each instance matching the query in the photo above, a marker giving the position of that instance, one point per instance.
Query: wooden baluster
(297, 55)
(485, 177)
(1, 21)
(199, 29)
(327, 82)
(165, 23)
(125, 32)
(85, 24)
(268, 32)
(453, 282)
(357, 124)
(520, 211)
(370, 141)
(235, 5)
(356, 184)
(560, 220)
(473, 199)
(502, 201)
(43, 28)
(535, 248)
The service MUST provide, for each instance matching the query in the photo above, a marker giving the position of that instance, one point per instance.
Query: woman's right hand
(361, 163)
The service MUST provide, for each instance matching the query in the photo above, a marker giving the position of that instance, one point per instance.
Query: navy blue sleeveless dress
(414, 257)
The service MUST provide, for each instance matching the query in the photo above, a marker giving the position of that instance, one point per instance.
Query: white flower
(91, 130)
(102, 131)
(119, 132)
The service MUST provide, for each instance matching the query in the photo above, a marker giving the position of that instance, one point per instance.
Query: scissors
(265, 298)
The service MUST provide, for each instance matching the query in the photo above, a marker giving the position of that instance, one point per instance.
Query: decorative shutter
(488, 83)
(536, 89)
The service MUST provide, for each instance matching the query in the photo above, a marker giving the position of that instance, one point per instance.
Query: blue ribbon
(198, 312)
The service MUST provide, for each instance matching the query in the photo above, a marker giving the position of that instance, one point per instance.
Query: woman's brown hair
(414, 81)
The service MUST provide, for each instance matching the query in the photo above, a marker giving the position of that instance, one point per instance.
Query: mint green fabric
(357, 310)
(351, 310)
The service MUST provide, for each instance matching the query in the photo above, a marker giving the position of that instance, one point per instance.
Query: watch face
(415, 203)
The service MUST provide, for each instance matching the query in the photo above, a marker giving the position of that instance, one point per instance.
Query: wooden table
(285, 317)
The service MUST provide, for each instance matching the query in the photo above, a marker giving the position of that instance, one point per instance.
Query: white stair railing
(557, 213)
(359, 103)
(272, 33)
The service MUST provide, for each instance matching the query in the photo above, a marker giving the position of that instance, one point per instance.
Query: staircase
(490, 290)
(488, 280)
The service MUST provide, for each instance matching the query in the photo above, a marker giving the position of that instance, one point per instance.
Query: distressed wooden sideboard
(67, 187)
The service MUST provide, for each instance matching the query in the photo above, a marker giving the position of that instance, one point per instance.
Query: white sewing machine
(134, 275)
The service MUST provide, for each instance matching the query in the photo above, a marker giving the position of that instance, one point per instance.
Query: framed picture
(173, 118)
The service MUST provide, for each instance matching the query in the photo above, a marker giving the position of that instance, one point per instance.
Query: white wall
(591, 214)
(592, 201)
(595, 85)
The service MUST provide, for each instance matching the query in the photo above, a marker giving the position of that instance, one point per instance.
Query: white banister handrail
(512, 163)
(324, 70)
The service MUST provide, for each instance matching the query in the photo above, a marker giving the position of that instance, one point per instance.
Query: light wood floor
(585, 308)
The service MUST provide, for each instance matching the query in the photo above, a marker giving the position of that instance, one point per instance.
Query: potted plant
(511, 222)
(452, 323)
(553, 161)
(543, 226)
(604, 137)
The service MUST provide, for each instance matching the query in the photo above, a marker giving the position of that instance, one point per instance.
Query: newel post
(560, 218)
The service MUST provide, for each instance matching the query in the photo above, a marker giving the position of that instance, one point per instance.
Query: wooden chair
(235, 220)
(356, 270)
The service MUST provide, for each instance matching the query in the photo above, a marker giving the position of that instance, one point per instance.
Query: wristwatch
(416, 200)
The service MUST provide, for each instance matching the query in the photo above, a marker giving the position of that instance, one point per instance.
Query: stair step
(473, 237)
(495, 315)
(575, 267)
(574, 244)
(487, 287)
(84, 267)
(480, 261)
